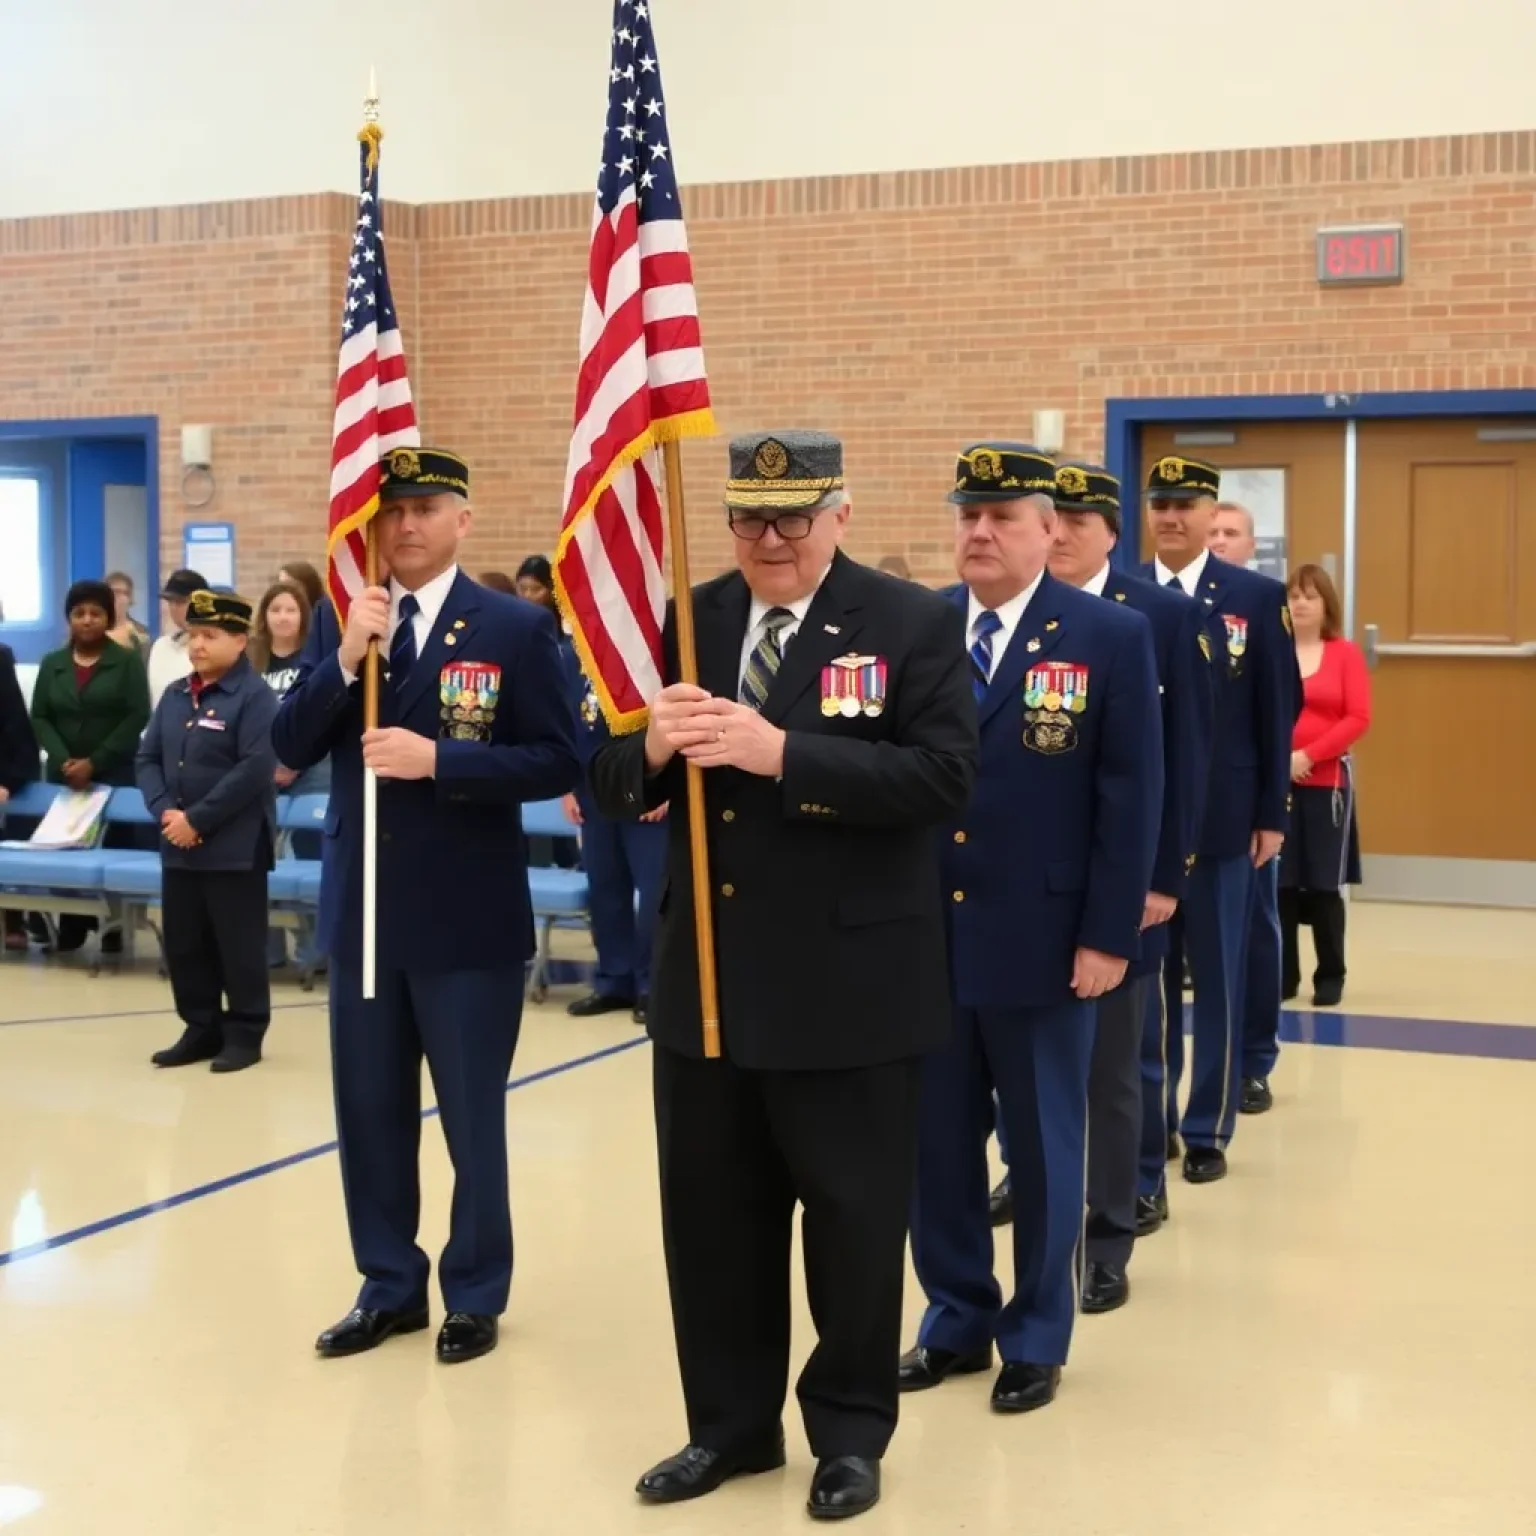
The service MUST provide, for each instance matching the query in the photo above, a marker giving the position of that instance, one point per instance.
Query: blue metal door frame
(144, 429)
(1124, 421)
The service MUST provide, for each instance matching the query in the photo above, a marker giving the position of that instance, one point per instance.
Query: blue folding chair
(558, 896)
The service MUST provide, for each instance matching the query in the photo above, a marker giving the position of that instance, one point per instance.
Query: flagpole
(371, 709)
(688, 663)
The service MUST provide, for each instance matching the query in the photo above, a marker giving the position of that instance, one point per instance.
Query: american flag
(641, 383)
(374, 412)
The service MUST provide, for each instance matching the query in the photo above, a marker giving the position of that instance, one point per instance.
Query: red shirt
(1335, 712)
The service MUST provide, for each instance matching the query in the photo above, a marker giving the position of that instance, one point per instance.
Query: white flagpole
(370, 722)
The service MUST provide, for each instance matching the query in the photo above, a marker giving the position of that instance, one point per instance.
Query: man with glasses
(836, 730)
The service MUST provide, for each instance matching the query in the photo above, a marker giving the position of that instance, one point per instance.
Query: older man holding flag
(809, 744)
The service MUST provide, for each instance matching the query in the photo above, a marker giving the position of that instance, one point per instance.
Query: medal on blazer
(468, 692)
(589, 706)
(1053, 694)
(854, 685)
(1237, 635)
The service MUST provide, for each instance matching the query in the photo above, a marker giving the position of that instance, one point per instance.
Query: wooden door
(1446, 540)
(1311, 457)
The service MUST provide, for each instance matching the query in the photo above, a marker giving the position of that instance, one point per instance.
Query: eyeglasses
(751, 526)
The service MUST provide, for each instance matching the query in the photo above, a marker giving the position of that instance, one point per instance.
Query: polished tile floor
(1341, 1337)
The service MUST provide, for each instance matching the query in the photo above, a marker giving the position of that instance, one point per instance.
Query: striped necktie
(763, 663)
(402, 647)
(987, 624)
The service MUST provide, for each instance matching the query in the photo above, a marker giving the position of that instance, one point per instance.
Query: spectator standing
(126, 630)
(1322, 854)
(168, 658)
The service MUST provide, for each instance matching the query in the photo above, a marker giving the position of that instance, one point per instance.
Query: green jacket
(102, 723)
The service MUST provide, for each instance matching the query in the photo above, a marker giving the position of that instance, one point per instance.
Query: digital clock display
(1355, 254)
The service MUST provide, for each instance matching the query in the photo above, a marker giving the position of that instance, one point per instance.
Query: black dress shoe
(695, 1471)
(641, 1009)
(1151, 1213)
(1256, 1097)
(844, 1486)
(1204, 1165)
(1106, 1287)
(194, 1046)
(1327, 994)
(922, 1367)
(235, 1058)
(1021, 1388)
(363, 1329)
(1174, 1149)
(466, 1336)
(591, 1007)
(1000, 1203)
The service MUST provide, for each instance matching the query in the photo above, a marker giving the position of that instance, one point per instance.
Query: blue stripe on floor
(1439, 1037)
(1435, 1037)
(139, 1212)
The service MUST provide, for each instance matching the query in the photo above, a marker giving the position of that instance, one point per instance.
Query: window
(21, 549)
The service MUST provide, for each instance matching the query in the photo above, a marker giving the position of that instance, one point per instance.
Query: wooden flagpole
(688, 663)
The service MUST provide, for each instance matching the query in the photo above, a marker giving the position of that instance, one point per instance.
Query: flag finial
(370, 133)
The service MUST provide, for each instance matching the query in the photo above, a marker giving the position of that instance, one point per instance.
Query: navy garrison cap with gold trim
(1002, 472)
(783, 471)
(218, 610)
(422, 472)
(1178, 479)
(1088, 488)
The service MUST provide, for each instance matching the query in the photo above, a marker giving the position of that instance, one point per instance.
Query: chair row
(117, 885)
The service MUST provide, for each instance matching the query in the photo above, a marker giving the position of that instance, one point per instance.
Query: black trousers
(1323, 912)
(737, 1150)
(1114, 1121)
(216, 950)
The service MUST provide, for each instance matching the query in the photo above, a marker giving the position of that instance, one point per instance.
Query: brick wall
(909, 312)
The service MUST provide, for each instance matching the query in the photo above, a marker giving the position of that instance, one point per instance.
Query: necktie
(402, 648)
(987, 624)
(1175, 583)
(763, 663)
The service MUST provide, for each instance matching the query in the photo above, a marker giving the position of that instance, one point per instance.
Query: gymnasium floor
(1341, 1336)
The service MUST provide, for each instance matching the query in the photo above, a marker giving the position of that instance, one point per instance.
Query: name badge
(208, 723)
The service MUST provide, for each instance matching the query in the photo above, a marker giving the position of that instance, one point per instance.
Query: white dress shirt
(756, 629)
(1188, 578)
(1095, 585)
(430, 598)
(168, 663)
(1010, 613)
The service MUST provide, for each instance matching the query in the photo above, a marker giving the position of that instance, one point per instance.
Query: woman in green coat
(90, 703)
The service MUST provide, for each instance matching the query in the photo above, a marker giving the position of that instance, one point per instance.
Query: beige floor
(1341, 1337)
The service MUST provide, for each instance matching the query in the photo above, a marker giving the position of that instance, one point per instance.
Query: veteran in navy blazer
(1087, 531)
(474, 719)
(1247, 806)
(1045, 880)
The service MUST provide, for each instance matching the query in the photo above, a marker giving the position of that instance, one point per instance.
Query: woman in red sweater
(1322, 853)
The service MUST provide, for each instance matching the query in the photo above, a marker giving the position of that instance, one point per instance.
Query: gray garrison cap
(783, 471)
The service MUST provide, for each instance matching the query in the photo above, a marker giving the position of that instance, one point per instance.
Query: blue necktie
(766, 658)
(987, 624)
(1175, 583)
(402, 648)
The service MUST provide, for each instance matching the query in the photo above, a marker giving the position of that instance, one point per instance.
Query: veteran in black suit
(836, 729)
(475, 718)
